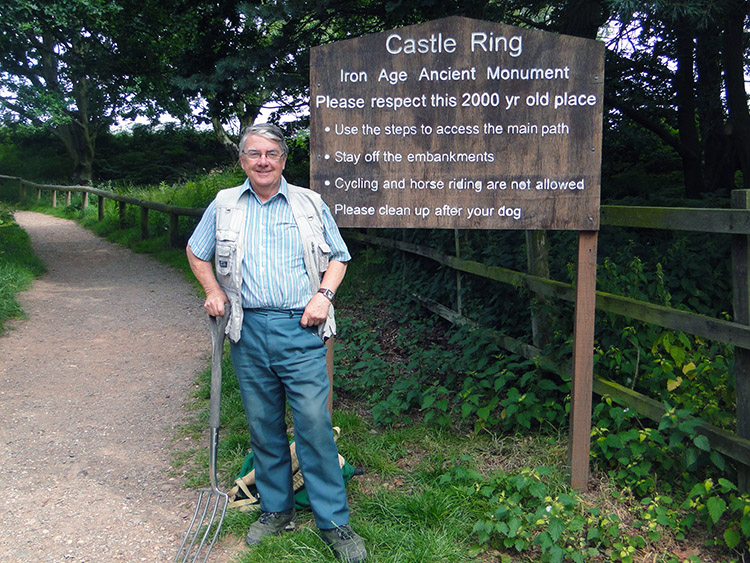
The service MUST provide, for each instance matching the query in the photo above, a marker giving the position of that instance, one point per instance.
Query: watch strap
(327, 293)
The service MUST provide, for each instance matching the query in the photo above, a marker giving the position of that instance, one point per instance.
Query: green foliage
(142, 156)
(147, 155)
(18, 266)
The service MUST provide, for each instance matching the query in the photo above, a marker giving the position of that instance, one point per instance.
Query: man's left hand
(316, 311)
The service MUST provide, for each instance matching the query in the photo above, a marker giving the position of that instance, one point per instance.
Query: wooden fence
(172, 211)
(734, 222)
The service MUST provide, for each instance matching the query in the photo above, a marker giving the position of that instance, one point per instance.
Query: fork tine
(209, 501)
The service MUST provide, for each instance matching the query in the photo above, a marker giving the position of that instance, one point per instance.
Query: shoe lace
(266, 517)
(345, 532)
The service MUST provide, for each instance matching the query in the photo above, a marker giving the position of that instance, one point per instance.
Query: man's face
(264, 173)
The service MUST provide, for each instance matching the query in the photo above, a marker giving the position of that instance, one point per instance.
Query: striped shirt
(273, 268)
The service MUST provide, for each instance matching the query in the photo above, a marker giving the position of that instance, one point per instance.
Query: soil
(92, 387)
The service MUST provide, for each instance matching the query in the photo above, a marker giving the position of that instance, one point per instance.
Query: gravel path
(91, 386)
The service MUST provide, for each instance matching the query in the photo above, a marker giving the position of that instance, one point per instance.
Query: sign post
(463, 124)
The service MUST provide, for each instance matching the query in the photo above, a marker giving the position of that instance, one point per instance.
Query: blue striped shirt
(273, 268)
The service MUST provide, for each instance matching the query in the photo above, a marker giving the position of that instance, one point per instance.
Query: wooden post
(459, 275)
(68, 198)
(21, 190)
(84, 200)
(38, 194)
(144, 223)
(122, 214)
(101, 207)
(174, 225)
(537, 256)
(54, 198)
(583, 362)
(741, 305)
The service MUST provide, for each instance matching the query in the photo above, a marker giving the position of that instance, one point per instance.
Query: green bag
(244, 494)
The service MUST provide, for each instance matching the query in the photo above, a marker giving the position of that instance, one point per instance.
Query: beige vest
(231, 214)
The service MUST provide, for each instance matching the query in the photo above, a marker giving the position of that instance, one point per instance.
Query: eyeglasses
(272, 155)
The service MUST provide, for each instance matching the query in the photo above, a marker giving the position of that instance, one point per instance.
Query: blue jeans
(277, 360)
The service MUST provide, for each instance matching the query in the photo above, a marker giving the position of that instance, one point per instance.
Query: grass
(18, 267)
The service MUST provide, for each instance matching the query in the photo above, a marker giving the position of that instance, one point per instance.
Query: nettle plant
(524, 514)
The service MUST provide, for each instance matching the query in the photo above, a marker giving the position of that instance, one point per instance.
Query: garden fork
(201, 534)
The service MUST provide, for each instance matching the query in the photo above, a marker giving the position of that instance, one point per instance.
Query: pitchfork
(211, 500)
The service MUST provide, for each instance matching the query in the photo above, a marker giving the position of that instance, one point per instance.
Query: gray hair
(267, 130)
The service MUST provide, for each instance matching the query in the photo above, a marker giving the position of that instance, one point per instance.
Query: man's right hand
(216, 301)
(204, 273)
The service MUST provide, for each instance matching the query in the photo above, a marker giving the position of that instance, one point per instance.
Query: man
(279, 261)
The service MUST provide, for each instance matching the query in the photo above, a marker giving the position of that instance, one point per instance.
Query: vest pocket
(226, 248)
(322, 254)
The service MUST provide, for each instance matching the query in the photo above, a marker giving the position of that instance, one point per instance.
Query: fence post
(537, 255)
(459, 274)
(101, 207)
(122, 214)
(84, 200)
(174, 225)
(68, 198)
(581, 385)
(144, 223)
(741, 305)
(54, 198)
(21, 190)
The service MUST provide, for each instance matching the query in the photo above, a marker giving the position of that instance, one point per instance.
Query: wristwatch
(328, 293)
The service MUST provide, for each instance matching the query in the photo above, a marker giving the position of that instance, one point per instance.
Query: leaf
(732, 538)
(513, 527)
(701, 442)
(555, 529)
(673, 384)
(716, 507)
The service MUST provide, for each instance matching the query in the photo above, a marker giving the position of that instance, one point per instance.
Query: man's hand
(316, 311)
(215, 302)
(204, 273)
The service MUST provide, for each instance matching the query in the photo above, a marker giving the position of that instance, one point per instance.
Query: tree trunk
(226, 141)
(738, 124)
(718, 161)
(80, 142)
(582, 18)
(684, 87)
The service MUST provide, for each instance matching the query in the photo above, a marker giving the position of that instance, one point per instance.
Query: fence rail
(735, 222)
(174, 212)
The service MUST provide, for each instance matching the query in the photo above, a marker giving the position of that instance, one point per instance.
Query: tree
(665, 73)
(76, 66)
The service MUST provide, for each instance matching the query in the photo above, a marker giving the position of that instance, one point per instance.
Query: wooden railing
(734, 222)
(174, 212)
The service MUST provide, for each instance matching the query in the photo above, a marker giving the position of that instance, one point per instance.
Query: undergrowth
(18, 267)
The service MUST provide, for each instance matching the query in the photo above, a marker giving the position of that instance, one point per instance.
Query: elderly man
(279, 259)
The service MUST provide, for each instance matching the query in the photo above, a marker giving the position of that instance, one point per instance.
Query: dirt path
(90, 387)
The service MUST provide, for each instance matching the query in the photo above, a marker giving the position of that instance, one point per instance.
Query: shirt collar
(283, 189)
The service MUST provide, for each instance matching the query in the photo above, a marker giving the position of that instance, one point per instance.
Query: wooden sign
(458, 123)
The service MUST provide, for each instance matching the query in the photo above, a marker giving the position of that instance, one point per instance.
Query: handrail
(173, 211)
